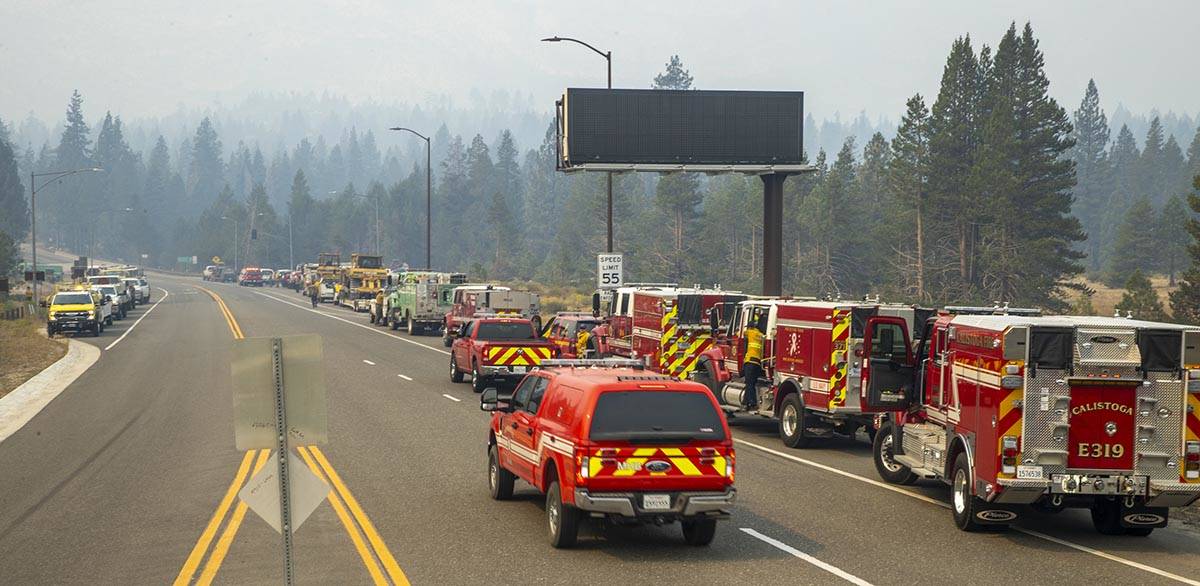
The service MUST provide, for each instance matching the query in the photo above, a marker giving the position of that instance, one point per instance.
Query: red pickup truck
(496, 349)
(608, 440)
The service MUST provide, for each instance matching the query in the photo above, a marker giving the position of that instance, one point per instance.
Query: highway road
(128, 477)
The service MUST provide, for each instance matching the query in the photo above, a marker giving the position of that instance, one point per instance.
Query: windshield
(72, 299)
(500, 331)
(370, 262)
(632, 415)
(107, 290)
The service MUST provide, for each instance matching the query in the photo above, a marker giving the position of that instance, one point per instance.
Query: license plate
(1029, 473)
(656, 502)
(518, 369)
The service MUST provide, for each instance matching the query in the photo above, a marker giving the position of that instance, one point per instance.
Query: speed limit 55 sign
(610, 270)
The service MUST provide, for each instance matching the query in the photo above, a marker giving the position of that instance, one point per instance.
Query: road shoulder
(27, 400)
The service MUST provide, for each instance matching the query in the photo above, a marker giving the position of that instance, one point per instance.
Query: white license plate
(1029, 473)
(518, 369)
(656, 502)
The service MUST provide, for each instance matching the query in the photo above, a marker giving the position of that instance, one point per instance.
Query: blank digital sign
(689, 127)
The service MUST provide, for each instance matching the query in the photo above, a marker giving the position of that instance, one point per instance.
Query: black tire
(500, 480)
(1106, 517)
(411, 326)
(395, 324)
(447, 341)
(791, 422)
(699, 532)
(963, 504)
(477, 380)
(371, 316)
(456, 375)
(704, 376)
(49, 331)
(96, 331)
(562, 519)
(881, 452)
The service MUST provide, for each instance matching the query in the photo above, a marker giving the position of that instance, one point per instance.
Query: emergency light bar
(593, 363)
(994, 310)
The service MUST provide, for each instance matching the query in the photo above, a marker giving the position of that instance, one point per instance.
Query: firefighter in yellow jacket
(752, 363)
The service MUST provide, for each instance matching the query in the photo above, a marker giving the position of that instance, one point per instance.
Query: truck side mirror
(489, 400)
(596, 304)
(714, 320)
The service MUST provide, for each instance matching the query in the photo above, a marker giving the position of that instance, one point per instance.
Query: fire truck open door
(888, 369)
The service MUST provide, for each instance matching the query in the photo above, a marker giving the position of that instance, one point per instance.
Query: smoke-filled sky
(149, 57)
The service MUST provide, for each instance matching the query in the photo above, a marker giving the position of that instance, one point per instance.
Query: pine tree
(953, 137)
(74, 152)
(500, 224)
(1172, 237)
(10, 255)
(156, 190)
(1091, 169)
(1150, 173)
(14, 209)
(1185, 301)
(508, 173)
(1140, 299)
(1193, 162)
(675, 77)
(206, 172)
(1135, 246)
(908, 178)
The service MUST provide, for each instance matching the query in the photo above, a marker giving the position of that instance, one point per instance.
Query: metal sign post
(279, 397)
(281, 447)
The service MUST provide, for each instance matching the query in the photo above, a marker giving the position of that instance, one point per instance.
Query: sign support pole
(772, 276)
(282, 455)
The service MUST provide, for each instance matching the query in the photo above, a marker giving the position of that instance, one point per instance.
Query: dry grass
(25, 351)
(1106, 298)
(555, 298)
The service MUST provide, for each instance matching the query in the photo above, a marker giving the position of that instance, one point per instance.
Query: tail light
(1191, 461)
(1008, 445)
(729, 467)
(582, 466)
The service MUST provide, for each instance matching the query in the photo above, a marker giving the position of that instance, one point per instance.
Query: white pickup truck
(118, 298)
(139, 288)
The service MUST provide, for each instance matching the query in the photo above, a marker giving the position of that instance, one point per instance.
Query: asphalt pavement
(127, 477)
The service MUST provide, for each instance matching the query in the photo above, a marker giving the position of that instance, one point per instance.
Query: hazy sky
(146, 58)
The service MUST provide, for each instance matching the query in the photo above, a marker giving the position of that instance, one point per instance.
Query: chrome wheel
(553, 513)
(493, 475)
(885, 454)
(790, 420)
(960, 491)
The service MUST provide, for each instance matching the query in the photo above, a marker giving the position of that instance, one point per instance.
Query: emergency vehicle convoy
(471, 300)
(360, 281)
(809, 372)
(420, 300)
(496, 350)
(665, 326)
(609, 441)
(1055, 412)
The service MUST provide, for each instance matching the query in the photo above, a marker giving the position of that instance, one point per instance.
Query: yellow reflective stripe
(595, 464)
(645, 451)
(837, 380)
(686, 466)
(672, 451)
(719, 465)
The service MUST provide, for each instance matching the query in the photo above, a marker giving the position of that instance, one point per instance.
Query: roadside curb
(27, 400)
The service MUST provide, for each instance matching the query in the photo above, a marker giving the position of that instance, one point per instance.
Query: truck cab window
(888, 342)
(536, 395)
(521, 396)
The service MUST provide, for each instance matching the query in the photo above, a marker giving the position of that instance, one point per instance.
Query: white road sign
(254, 392)
(610, 270)
(261, 494)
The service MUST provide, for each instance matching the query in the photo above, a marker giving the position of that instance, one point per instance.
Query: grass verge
(25, 351)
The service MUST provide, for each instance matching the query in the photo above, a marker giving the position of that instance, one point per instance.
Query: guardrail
(14, 313)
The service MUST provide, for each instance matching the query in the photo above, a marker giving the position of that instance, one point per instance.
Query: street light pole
(608, 58)
(291, 257)
(428, 194)
(235, 241)
(33, 189)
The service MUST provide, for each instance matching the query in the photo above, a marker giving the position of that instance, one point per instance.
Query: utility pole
(608, 58)
(428, 195)
(33, 189)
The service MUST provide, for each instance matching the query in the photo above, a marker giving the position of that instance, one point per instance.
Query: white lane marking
(365, 361)
(139, 320)
(921, 497)
(404, 377)
(364, 326)
(836, 571)
(452, 398)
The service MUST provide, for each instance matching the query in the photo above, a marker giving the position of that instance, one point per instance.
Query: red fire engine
(810, 370)
(665, 326)
(1055, 412)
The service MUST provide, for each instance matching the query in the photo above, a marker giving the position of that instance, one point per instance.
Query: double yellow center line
(375, 555)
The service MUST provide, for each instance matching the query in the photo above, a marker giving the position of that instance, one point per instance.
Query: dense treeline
(988, 190)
